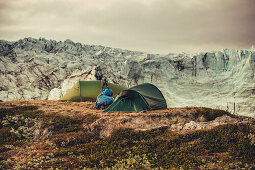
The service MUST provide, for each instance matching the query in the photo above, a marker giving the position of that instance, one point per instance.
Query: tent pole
(80, 91)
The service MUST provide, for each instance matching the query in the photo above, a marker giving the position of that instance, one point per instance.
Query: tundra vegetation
(32, 139)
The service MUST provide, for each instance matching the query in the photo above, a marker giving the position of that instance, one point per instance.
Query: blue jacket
(104, 98)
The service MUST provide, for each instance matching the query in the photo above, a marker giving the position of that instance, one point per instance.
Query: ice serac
(45, 69)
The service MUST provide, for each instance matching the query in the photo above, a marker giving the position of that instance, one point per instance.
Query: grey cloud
(161, 26)
(168, 22)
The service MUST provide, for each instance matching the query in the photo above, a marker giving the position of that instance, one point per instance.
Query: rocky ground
(53, 134)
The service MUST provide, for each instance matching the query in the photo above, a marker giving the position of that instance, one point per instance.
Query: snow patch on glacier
(45, 69)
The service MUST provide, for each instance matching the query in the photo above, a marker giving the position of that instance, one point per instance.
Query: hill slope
(40, 69)
(51, 134)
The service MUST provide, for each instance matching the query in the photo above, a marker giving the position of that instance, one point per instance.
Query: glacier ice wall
(39, 69)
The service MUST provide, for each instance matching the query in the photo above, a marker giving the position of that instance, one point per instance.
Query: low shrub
(26, 111)
(22, 127)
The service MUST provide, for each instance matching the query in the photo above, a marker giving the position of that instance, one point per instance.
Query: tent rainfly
(89, 90)
(138, 98)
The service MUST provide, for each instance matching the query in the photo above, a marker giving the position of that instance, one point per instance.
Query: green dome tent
(89, 90)
(138, 98)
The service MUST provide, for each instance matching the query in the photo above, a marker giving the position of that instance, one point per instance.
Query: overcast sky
(156, 26)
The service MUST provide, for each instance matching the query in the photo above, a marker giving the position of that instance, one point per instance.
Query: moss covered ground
(32, 139)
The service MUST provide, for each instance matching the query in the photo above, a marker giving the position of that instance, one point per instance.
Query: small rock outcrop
(172, 119)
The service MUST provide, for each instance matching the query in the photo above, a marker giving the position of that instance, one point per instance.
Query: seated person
(104, 99)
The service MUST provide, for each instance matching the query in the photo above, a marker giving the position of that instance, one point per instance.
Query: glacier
(41, 69)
